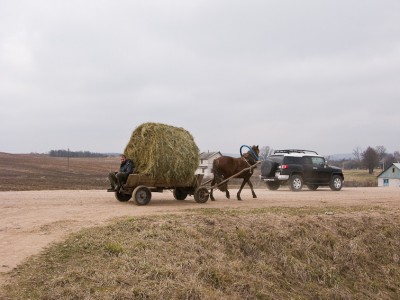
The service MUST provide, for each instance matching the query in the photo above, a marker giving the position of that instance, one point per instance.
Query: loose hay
(165, 152)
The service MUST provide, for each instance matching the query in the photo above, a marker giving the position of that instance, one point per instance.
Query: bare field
(24, 172)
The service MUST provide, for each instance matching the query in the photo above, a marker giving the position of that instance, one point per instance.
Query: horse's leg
(251, 187)
(211, 191)
(241, 187)
(227, 192)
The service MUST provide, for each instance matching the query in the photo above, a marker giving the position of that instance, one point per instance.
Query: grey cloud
(310, 74)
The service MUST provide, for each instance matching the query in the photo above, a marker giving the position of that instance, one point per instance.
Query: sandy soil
(31, 220)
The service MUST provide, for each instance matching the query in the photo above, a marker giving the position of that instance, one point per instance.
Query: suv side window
(317, 161)
(307, 160)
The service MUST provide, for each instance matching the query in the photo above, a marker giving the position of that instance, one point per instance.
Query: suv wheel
(296, 183)
(273, 185)
(336, 183)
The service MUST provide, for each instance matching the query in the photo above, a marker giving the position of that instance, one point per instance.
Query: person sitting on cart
(118, 178)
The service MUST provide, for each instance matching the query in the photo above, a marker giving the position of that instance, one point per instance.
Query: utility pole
(68, 160)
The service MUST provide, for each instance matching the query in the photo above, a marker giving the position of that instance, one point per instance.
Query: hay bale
(165, 152)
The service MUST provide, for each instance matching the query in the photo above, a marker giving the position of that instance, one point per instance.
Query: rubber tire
(201, 195)
(273, 185)
(180, 194)
(122, 197)
(141, 195)
(296, 183)
(336, 183)
(312, 187)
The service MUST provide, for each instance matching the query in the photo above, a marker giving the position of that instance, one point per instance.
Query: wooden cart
(140, 187)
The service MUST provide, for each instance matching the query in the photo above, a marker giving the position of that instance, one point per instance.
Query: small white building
(390, 177)
(206, 162)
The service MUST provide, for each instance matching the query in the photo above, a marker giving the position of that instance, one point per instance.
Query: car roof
(295, 155)
(288, 151)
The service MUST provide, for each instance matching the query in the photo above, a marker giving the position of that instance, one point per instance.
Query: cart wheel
(142, 195)
(201, 195)
(122, 197)
(180, 194)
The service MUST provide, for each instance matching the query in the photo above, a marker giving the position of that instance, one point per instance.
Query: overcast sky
(320, 75)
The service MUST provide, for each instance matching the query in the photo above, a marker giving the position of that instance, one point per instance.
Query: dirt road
(31, 220)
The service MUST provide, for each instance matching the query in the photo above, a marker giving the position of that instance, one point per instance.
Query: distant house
(390, 177)
(206, 161)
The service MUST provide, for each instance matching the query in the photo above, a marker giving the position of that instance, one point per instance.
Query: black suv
(298, 168)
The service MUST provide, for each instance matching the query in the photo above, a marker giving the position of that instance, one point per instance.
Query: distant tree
(381, 150)
(264, 151)
(67, 153)
(370, 159)
(396, 155)
(357, 153)
(389, 160)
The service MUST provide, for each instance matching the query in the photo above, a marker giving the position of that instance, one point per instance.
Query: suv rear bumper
(276, 178)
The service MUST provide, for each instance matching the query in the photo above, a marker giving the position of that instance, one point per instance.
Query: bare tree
(357, 153)
(370, 159)
(396, 155)
(264, 152)
(381, 151)
(389, 160)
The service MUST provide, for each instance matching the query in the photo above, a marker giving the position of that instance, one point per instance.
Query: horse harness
(248, 163)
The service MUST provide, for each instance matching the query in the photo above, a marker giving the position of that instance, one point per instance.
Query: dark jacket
(127, 167)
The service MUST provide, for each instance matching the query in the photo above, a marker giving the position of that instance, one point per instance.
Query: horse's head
(255, 149)
(252, 155)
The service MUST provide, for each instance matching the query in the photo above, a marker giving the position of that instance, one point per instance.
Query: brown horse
(226, 166)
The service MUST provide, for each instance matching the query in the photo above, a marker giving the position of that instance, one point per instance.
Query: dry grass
(223, 254)
(358, 178)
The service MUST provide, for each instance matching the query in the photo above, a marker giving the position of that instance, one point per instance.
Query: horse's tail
(216, 170)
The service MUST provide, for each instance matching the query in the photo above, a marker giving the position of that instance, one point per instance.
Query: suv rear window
(293, 160)
(276, 158)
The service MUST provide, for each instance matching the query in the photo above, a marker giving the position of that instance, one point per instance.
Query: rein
(247, 162)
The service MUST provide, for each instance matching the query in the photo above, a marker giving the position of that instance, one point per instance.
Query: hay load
(165, 152)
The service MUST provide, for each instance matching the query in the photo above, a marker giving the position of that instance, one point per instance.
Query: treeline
(371, 158)
(68, 153)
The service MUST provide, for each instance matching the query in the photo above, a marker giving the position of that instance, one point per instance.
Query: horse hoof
(212, 199)
(239, 199)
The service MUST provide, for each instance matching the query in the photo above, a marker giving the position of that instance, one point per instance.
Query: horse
(225, 167)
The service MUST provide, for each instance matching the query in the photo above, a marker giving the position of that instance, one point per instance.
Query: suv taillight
(284, 166)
